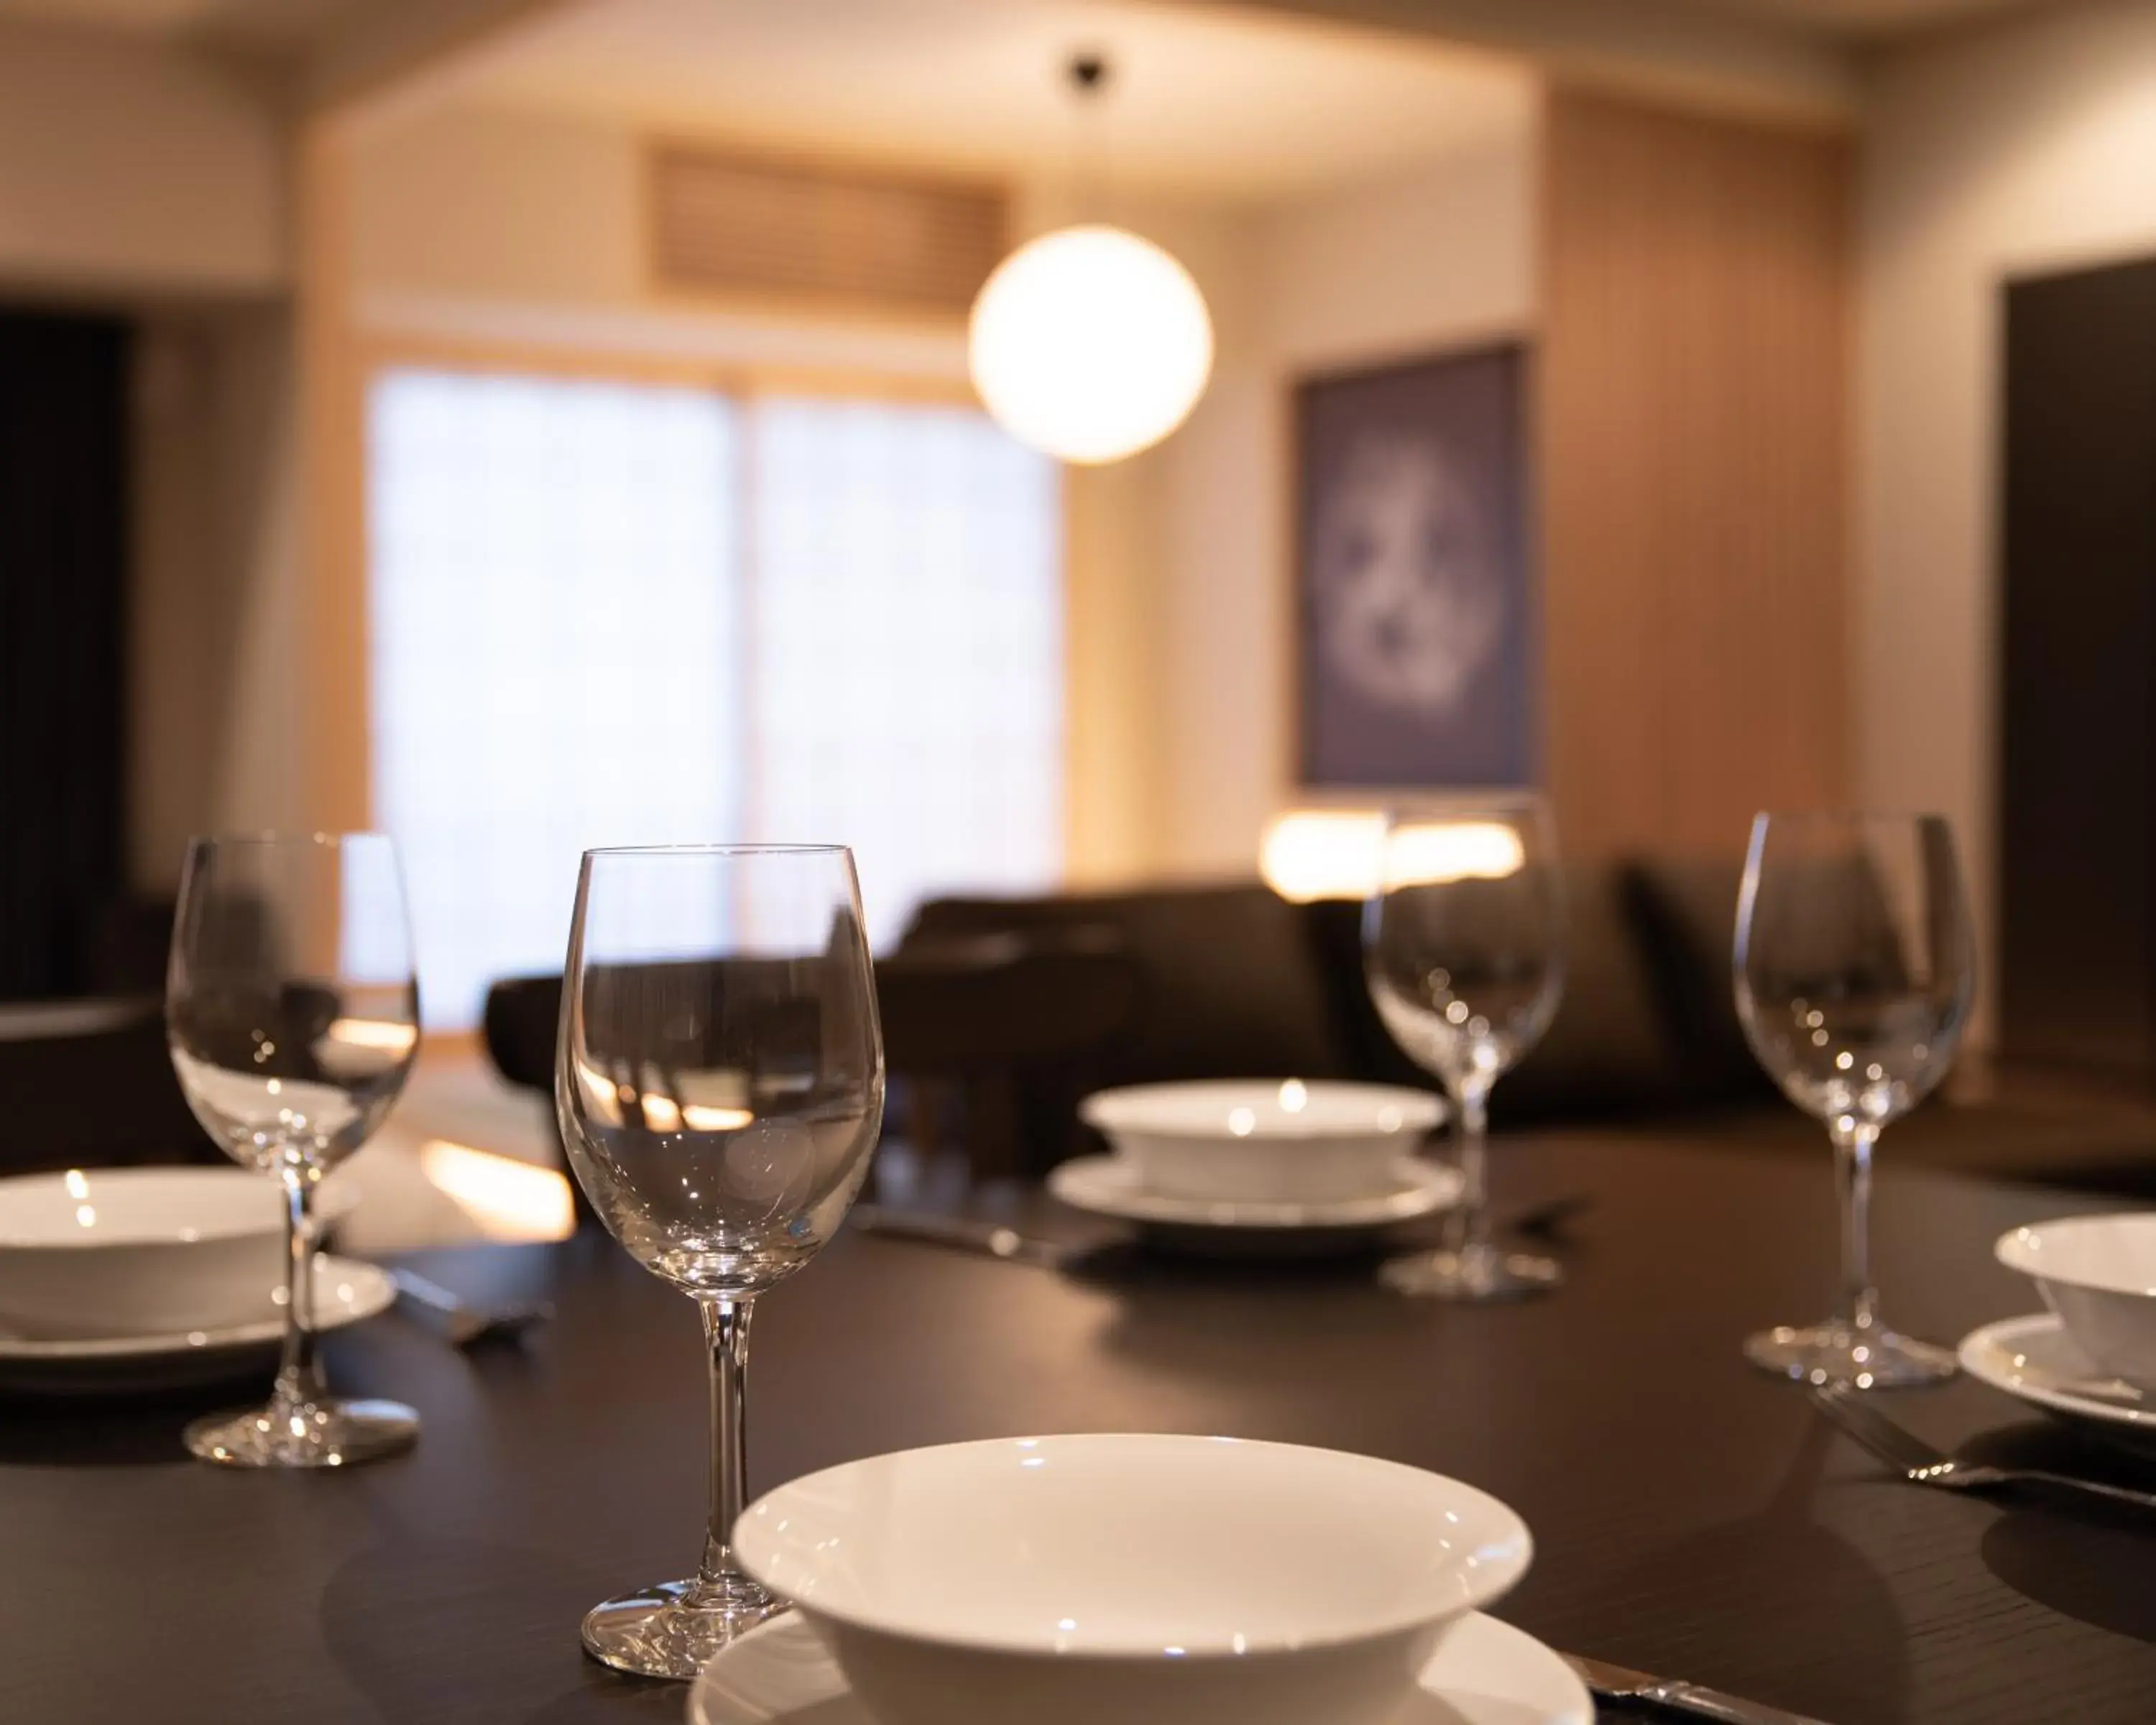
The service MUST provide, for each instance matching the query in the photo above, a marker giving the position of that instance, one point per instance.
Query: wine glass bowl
(716, 1169)
(720, 1084)
(292, 1075)
(1464, 955)
(1470, 1019)
(292, 1017)
(1834, 1052)
(1854, 970)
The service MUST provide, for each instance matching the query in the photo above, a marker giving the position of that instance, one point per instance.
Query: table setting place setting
(720, 1087)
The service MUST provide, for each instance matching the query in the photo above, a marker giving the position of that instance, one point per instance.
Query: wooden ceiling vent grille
(789, 232)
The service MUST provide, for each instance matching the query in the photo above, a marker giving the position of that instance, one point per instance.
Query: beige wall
(2028, 147)
(127, 167)
(217, 662)
(495, 206)
(1444, 254)
(489, 224)
(1437, 258)
(494, 225)
(153, 179)
(1205, 686)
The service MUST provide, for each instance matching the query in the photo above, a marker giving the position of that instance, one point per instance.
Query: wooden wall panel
(1694, 473)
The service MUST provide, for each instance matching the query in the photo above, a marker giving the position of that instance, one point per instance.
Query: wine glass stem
(299, 1372)
(1853, 1140)
(725, 1337)
(1471, 1102)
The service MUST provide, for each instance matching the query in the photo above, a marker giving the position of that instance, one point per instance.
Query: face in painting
(1409, 606)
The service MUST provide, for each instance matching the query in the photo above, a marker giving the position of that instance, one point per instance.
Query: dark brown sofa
(1236, 982)
(1229, 980)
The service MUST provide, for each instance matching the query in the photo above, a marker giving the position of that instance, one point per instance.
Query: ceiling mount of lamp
(1089, 342)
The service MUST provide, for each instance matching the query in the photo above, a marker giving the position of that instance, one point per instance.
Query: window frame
(380, 353)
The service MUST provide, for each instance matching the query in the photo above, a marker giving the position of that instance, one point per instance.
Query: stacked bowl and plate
(121, 1279)
(1265, 1166)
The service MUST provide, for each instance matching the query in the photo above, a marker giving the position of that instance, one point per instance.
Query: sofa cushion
(1230, 985)
(1685, 912)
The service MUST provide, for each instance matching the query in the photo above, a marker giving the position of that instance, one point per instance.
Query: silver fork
(1917, 1460)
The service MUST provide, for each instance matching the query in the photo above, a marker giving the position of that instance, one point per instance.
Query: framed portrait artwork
(1416, 600)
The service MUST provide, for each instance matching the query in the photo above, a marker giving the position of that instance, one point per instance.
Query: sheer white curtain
(907, 632)
(616, 613)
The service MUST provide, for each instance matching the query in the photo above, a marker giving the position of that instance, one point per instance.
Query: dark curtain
(62, 587)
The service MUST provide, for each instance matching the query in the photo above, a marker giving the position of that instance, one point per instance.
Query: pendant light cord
(1087, 71)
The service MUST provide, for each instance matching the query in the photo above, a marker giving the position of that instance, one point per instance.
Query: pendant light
(1089, 342)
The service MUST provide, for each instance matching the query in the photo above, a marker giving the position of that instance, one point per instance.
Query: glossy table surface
(1692, 1517)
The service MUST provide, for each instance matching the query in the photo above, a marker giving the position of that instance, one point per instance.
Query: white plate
(1109, 1186)
(1484, 1672)
(346, 1291)
(2035, 1360)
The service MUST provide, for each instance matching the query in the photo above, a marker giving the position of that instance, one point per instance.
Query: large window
(615, 613)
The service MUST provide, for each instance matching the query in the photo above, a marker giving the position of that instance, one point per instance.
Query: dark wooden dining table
(1691, 1516)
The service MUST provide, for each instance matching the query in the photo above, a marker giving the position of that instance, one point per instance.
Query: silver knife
(1613, 1682)
(962, 1234)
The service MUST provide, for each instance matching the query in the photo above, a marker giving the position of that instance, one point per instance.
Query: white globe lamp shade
(1089, 344)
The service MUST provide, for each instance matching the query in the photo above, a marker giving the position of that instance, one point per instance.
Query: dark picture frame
(1415, 606)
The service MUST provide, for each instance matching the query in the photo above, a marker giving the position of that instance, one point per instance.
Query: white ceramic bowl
(1142, 1580)
(2098, 1273)
(139, 1251)
(1265, 1141)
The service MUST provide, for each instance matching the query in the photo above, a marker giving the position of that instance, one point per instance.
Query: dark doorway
(2077, 802)
(63, 538)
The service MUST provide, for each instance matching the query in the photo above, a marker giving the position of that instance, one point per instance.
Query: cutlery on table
(999, 1239)
(1613, 1683)
(1918, 1461)
(465, 1323)
(964, 1233)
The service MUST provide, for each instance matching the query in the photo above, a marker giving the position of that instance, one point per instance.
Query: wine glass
(293, 1019)
(1464, 952)
(720, 1086)
(1855, 968)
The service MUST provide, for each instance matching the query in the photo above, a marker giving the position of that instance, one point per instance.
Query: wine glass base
(1475, 1274)
(1875, 1359)
(671, 1630)
(327, 1433)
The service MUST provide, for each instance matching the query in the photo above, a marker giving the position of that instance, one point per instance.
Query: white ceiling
(1202, 101)
(293, 23)
(1243, 100)
(295, 20)
(261, 23)
(1867, 20)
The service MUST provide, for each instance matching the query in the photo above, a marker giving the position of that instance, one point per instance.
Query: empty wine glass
(293, 1019)
(720, 1086)
(1464, 952)
(1855, 968)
